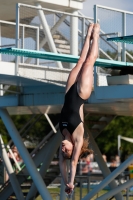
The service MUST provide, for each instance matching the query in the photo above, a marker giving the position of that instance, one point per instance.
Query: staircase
(62, 44)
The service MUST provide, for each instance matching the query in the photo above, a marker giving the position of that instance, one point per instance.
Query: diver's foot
(96, 31)
(90, 29)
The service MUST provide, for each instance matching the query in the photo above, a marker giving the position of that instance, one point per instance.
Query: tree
(108, 142)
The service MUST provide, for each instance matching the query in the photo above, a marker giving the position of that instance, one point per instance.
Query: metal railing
(117, 21)
(30, 34)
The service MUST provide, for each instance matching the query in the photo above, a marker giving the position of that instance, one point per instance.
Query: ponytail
(85, 150)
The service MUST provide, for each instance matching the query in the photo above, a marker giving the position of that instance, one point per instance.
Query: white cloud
(118, 4)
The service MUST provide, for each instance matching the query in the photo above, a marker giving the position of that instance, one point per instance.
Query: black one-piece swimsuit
(70, 117)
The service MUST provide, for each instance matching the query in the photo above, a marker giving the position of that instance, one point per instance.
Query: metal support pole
(9, 169)
(105, 170)
(74, 36)
(95, 13)
(127, 193)
(37, 44)
(50, 122)
(47, 33)
(88, 184)
(80, 187)
(119, 49)
(23, 35)
(83, 31)
(119, 146)
(116, 190)
(124, 34)
(17, 37)
(50, 149)
(73, 196)
(25, 155)
(62, 190)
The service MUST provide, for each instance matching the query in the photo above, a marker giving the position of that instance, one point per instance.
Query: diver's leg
(75, 71)
(85, 81)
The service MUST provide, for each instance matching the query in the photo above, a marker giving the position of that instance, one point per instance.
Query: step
(57, 36)
(61, 41)
(65, 51)
(63, 46)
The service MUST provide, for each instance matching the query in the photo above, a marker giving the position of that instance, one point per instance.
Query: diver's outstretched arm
(63, 167)
(74, 161)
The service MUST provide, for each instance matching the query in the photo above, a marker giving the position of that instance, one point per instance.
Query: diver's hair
(85, 148)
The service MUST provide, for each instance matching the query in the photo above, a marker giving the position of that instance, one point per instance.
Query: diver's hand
(69, 188)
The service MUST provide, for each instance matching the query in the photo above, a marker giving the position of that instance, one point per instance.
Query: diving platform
(62, 57)
(124, 39)
(38, 97)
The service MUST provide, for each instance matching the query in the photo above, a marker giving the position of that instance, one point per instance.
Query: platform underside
(121, 108)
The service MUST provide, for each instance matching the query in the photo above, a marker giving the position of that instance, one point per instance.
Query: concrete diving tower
(40, 90)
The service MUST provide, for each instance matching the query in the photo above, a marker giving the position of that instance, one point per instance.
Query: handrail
(54, 11)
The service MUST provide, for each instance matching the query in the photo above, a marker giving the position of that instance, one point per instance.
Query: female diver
(78, 89)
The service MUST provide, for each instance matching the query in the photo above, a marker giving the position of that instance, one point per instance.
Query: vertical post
(119, 49)
(23, 34)
(83, 31)
(17, 37)
(124, 34)
(73, 196)
(95, 79)
(62, 190)
(88, 183)
(37, 44)
(95, 13)
(119, 146)
(73, 36)
(30, 165)
(80, 187)
(47, 32)
(127, 194)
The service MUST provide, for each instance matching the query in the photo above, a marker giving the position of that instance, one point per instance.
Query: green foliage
(38, 130)
(108, 139)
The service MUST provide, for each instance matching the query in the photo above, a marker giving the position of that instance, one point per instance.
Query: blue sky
(118, 4)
